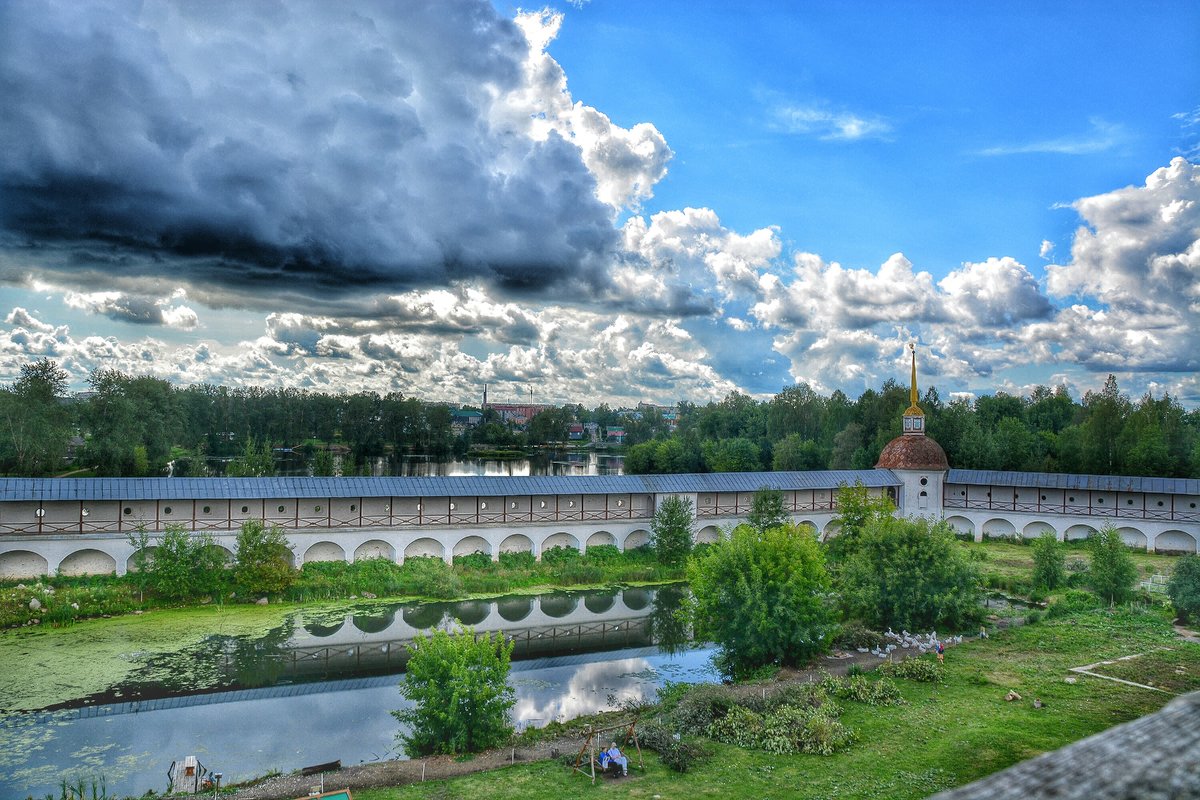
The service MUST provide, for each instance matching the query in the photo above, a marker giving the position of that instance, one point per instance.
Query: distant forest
(134, 425)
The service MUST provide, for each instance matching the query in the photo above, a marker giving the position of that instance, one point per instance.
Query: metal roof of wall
(26, 489)
(1056, 480)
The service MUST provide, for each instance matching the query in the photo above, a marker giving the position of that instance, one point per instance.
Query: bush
(182, 566)
(675, 752)
(459, 684)
(703, 705)
(763, 598)
(671, 535)
(854, 635)
(603, 554)
(862, 689)
(480, 562)
(1049, 571)
(429, 576)
(1184, 587)
(740, 726)
(1072, 602)
(923, 670)
(577, 573)
(263, 561)
(522, 560)
(560, 554)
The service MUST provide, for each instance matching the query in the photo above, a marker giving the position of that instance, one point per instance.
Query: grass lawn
(1015, 561)
(945, 735)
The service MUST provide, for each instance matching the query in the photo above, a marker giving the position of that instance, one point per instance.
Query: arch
(374, 548)
(472, 544)
(807, 526)
(87, 562)
(131, 562)
(1132, 537)
(425, 548)
(832, 528)
(517, 543)
(16, 564)
(514, 609)
(636, 599)
(1174, 541)
(962, 525)
(599, 602)
(1081, 531)
(1035, 529)
(560, 539)
(324, 551)
(998, 528)
(424, 616)
(558, 604)
(471, 612)
(636, 539)
(374, 622)
(323, 629)
(601, 539)
(227, 554)
(709, 534)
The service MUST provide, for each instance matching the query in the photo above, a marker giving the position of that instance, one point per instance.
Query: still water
(320, 687)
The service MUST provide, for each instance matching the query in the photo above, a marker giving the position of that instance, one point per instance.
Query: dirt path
(398, 773)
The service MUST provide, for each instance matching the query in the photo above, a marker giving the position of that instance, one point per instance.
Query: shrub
(923, 670)
(763, 598)
(740, 726)
(478, 561)
(1072, 602)
(1049, 570)
(522, 560)
(429, 576)
(854, 635)
(676, 752)
(560, 554)
(671, 533)
(808, 695)
(459, 684)
(183, 565)
(1184, 587)
(263, 561)
(862, 689)
(603, 554)
(576, 573)
(701, 706)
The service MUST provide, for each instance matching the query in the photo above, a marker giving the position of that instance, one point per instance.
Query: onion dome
(913, 452)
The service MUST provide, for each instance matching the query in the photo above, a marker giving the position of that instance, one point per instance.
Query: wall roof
(1055, 480)
(49, 489)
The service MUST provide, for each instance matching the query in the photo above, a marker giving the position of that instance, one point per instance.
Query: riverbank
(945, 734)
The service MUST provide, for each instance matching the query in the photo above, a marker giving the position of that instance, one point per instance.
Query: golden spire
(913, 409)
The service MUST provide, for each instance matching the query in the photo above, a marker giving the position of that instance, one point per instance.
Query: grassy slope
(947, 734)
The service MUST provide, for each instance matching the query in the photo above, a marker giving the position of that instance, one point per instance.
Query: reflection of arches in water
(425, 616)
(375, 622)
(558, 605)
(514, 609)
(636, 599)
(598, 603)
(322, 630)
(471, 612)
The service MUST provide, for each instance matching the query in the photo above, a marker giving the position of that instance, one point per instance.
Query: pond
(320, 686)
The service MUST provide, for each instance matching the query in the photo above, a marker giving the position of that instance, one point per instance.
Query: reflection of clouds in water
(585, 691)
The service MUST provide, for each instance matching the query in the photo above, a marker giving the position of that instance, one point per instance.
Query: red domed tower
(918, 461)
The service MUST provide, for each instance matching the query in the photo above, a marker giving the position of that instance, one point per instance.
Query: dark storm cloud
(303, 147)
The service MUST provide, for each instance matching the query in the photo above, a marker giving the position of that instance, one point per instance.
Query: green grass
(945, 735)
(1009, 564)
(1176, 670)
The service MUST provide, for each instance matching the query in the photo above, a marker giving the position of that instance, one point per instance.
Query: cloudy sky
(608, 200)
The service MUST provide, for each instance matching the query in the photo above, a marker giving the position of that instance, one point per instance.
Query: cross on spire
(914, 417)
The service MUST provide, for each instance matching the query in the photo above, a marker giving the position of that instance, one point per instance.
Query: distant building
(615, 434)
(462, 419)
(575, 432)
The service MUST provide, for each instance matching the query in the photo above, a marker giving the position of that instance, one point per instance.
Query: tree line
(133, 425)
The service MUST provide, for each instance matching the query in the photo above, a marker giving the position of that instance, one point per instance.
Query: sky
(606, 201)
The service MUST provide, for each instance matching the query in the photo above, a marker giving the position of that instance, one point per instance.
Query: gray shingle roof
(1057, 480)
(48, 489)
(1156, 756)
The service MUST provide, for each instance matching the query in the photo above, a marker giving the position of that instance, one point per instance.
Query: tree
(732, 455)
(1049, 569)
(857, 510)
(263, 562)
(459, 683)
(763, 598)
(1184, 587)
(798, 454)
(256, 461)
(909, 573)
(766, 510)
(34, 423)
(671, 534)
(1112, 572)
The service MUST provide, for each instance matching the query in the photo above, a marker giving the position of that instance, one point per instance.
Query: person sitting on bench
(613, 756)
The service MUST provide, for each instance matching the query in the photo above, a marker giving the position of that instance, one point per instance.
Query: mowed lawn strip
(946, 735)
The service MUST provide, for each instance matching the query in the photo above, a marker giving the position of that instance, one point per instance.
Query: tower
(917, 460)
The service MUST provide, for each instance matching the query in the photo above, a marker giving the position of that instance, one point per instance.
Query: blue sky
(612, 199)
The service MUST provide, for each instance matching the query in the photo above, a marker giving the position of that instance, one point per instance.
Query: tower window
(924, 481)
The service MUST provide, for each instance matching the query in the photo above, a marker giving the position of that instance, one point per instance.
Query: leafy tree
(763, 598)
(459, 683)
(766, 510)
(182, 565)
(256, 461)
(1112, 572)
(1184, 587)
(732, 455)
(671, 533)
(858, 509)
(34, 424)
(322, 463)
(1049, 570)
(909, 573)
(798, 454)
(139, 573)
(263, 562)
